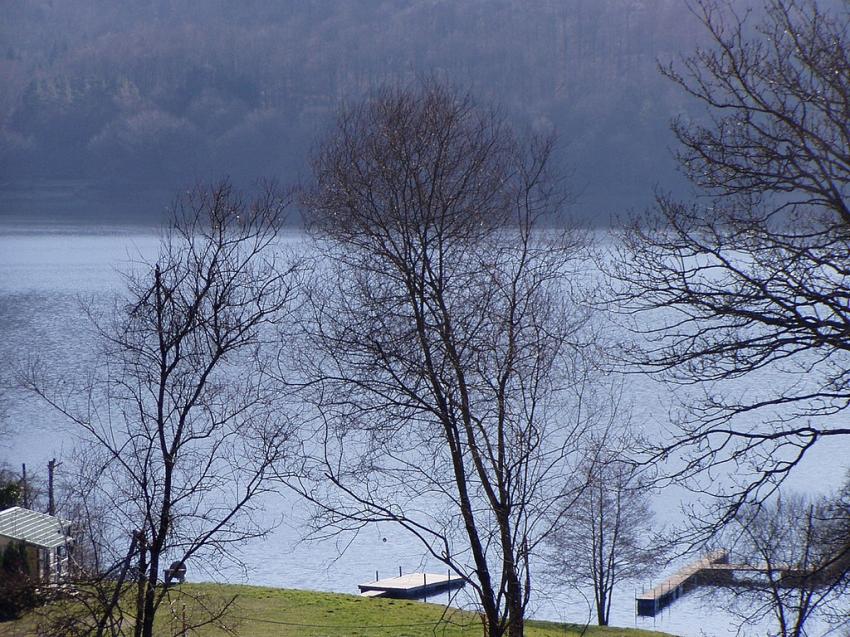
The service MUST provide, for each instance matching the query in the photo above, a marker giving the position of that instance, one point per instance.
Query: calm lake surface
(45, 272)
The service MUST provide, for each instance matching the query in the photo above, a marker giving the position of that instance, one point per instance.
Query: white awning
(31, 527)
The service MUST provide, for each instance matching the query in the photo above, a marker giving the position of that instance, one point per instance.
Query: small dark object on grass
(177, 571)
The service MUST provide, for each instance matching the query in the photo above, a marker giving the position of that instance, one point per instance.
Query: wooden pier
(653, 601)
(411, 586)
(715, 570)
(753, 574)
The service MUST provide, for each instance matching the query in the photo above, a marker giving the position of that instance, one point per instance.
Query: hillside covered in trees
(107, 108)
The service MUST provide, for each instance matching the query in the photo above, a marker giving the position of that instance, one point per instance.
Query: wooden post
(51, 503)
(26, 490)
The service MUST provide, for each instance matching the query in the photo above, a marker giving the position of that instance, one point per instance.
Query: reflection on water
(46, 274)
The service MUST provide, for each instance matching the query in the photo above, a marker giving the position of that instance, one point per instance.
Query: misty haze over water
(106, 109)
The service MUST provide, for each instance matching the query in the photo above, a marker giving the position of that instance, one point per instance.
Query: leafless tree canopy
(181, 420)
(446, 345)
(607, 537)
(746, 291)
(6, 428)
(792, 543)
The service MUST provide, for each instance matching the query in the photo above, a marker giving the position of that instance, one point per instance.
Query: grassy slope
(272, 612)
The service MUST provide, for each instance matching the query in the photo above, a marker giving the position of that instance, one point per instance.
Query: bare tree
(181, 420)
(6, 428)
(744, 293)
(11, 489)
(26, 489)
(445, 338)
(789, 545)
(607, 537)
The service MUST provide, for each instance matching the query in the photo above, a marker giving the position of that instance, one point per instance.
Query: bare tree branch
(182, 419)
(447, 354)
(744, 295)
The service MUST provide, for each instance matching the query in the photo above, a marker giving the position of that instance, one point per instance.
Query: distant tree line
(161, 93)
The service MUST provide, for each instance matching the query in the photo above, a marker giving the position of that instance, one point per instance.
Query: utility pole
(25, 489)
(51, 503)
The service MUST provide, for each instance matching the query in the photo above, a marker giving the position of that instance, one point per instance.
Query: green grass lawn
(274, 612)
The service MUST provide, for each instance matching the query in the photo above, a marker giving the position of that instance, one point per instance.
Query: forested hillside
(108, 106)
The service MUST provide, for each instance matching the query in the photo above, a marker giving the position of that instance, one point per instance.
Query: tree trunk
(601, 613)
(516, 627)
(141, 588)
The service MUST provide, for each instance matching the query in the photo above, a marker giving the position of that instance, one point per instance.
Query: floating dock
(653, 601)
(411, 586)
(715, 570)
(782, 575)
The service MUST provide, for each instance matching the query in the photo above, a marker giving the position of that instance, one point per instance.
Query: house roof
(40, 529)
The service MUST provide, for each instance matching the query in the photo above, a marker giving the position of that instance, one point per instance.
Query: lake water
(44, 274)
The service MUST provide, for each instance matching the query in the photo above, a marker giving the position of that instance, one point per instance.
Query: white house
(45, 538)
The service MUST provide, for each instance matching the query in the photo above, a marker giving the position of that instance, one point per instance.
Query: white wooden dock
(411, 586)
(651, 602)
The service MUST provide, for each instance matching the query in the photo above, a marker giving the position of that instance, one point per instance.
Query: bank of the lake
(275, 612)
